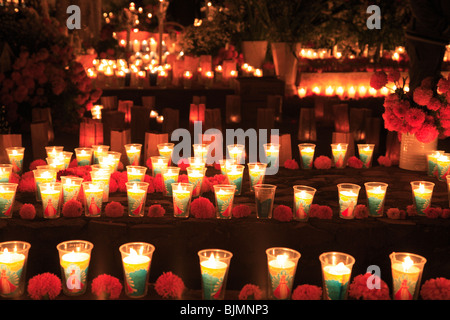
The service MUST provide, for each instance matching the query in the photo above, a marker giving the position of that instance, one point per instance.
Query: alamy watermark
(374, 20)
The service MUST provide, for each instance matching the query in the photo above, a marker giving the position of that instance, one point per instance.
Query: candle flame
(281, 259)
(407, 263)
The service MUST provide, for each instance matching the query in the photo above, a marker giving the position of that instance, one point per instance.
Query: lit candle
(201, 151)
(303, 198)
(96, 112)
(71, 187)
(51, 196)
(181, 194)
(13, 261)
(307, 154)
(187, 79)
(258, 73)
(99, 150)
(15, 155)
(165, 150)
(7, 196)
(57, 163)
(53, 151)
(84, 156)
(136, 194)
(282, 265)
(376, 193)
(301, 92)
(235, 175)
(264, 197)
(67, 155)
(209, 79)
(136, 173)
(365, 154)
(225, 164)
(112, 159)
(224, 195)
(102, 176)
(336, 273)
(257, 172)
(237, 152)
(442, 166)
(133, 153)
(348, 198)
(339, 152)
(214, 264)
(406, 275)
(93, 198)
(195, 177)
(5, 172)
(351, 92)
(158, 163)
(272, 154)
(43, 176)
(170, 176)
(422, 194)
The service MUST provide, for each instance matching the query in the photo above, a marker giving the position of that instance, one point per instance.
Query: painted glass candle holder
(136, 173)
(99, 150)
(57, 163)
(272, 153)
(5, 172)
(224, 196)
(225, 164)
(83, 156)
(158, 163)
(307, 154)
(137, 195)
(133, 151)
(71, 187)
(264, 197)
(166, 150)
(195, 177)
(51, 199)
(67, 156)
(136, 262)
(102, 176)
(214, 266)
(93, 198)
(43, 175)
(256, 173)
(74, 259)
(107, 160)
(7, 197)
(15, 156)
(53, 151)
(336, 274)
(181, 195)
(407, 272)
(13, 266)
(282, 266)
(303, 198)
(235, 175)
(422, 192)
(113, 159)
(236, 152)
(442, 166)
(201, 151)
(169, 175)
(376, 194)
(196, 163)
(339, 152)
(348, 199)
(432, 162)
(365, 152)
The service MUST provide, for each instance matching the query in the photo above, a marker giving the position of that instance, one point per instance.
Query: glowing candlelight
(181, 195)
(376, 193)
(307, 154)
(137, 195)
(51, 196)
(348, 198)
(336, 273)
(214, 265)
(235, 175)
(195, 177)
(133, 153)
(158, 163)
(70, 187)
(257, 172)
(7, 198)
(84, 156)
(13, 263)
(406, 275)
(339, 152)
(422, 194)
(442, 166)
(15, 155)
(5, 172)
(272, 152)
(365, 154)
(282, 265)
(303, 198)
(224, 196)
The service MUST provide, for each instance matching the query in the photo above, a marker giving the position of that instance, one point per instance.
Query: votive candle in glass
(99, 150)
(13, 266)
(422, 192)
(102, 176)
(67, 156)
(133, 151)
(136, 173)
(84, 156)
(235, 174)
(336, 272)
(195, 177)
(307, 154)
(196, 163)
(442, 166)
(339, 152)
(136, 262)
(201, 151)
(257, 173)
(7, 197)
(272, 152)
(74, 259)
(348, 199)
(51, 199)
(109, 160)
(53, 151)
(169, 175)
(137, 195)
(93, 198)
(43, 175)
(282, 266)
(57, 163)
(166, 150)
(224, 195)
(15, 156)
(376, 194)
(264, 197)
(158, 163)
(303, 198)
(225, 164)
(70, 187)
(181, 195)
(365, 154)
(214, 265)
(432, 162)
(236, 152)
(407, 271)
(5, 172)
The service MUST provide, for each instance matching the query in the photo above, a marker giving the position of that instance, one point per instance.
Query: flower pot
(413, 153)
(254, 52)
(285, 62)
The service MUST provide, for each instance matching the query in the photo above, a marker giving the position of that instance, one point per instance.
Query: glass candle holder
(225, 164)
(136, 262)
(432, 162)
(307, 154)
(158, 163)
(113, 159)
(237, 153)
(339, 152)
(272, 152)
(256, 173)
(235, 174)
(103, 177)
(74, 259)
(57, 163)
(303, 198)
(282, 266)
(84, 156)
(442, 166)
(53, 151)
(348, 199)
(365, 152)
(201, 151)
(166, 150)
(13, 266)
(195, 177)
(214, 266)
(196, 163)
(5, 172)
(136, 173)
(376, 194)
(407, 271)
(15, 156)
(7, 197)
(67, 155)
(169, 175)
(182, 195)
(93, 198)
(51, 199)
(70, 187)
(224, 196)
(133, 151)
(99, 150)
(136, 195)
(264, 197)
(422, 192)
(43, 174)
(336, 273)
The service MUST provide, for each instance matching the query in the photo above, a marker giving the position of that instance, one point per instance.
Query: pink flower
(322, 162)
(378, 80)
(114, 209)
(427, 133)
(415, 117)
(422, 96)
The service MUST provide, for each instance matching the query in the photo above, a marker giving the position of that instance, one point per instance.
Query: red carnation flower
(27, 184)
(291, 164)
(322, 212)
(322, 162)
(378, 80)
(250, 292)
(114, 209)
(360, 290)
(384, 161)
(395, 213)
(183, 178)
(45, 286)
(433, 213)
(158, 183)
(149, 163)
(354, 162)
(361, 211)
(14, 178)
(436, 289)
(446, 213)
(183, 164)
(443, 86)
(106, 287)
(307, 292)
(282, 213)
(113, 186)
(434, 104)
(241, 211)
(202, 208)
(156, 210)
(422, 96)
(415, 117)
(427, 133)
(27, 211)
(37, 162)
(411, 210)
(400, 109)
(206, 185)
(72, 209)
(169, 285)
